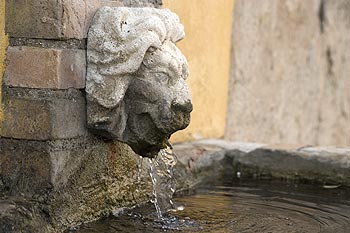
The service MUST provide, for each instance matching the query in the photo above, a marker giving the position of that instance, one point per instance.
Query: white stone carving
(136, 90)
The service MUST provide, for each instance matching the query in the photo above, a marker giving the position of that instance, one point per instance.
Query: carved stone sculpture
(135, 88)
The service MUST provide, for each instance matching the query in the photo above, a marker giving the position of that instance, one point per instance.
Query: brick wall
(46, 152)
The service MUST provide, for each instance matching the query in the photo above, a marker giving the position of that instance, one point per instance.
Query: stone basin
(212, 158)
(228, 186)
(199, 162)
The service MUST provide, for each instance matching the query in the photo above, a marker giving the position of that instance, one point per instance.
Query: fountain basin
(248, 187)
(212, 159)
(249, 206)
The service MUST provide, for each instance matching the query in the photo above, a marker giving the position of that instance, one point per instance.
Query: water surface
(241, 207)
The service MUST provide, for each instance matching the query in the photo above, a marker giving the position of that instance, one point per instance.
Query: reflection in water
(237, 207)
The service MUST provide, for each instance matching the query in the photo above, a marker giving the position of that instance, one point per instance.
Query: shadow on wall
(290, 68)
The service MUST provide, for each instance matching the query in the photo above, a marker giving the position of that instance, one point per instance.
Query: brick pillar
(62, 174)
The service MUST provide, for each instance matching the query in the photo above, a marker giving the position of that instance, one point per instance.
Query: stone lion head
(135, 86)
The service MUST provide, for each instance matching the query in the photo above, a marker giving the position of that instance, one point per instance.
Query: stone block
(63, 19)
(45, 68)
(33, 18)
(23, 168)
(37, 167)
(63, 176)
(49, 115)
(212, 160)
(51, 19)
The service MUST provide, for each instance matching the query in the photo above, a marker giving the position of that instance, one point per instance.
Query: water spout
(135, 85)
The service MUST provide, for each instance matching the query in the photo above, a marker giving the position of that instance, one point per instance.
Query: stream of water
(164, 184)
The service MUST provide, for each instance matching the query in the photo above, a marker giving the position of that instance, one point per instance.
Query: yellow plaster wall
(208, 25)
(3, 46)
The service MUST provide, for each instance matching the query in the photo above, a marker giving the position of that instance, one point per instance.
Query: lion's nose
(183, 107)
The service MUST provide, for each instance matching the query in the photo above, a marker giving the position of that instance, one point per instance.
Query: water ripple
(267, 208)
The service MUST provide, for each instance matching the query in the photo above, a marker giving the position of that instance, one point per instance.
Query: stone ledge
(218, 159)
(34, 67)
(42, 114)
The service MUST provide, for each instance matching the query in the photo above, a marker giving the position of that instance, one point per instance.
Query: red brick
(45, 68)
(43, 118)
(51, 19)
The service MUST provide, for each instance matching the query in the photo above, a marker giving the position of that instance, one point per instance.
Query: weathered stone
(142, 3)
(25, 167)
(210, 160)
(33, 19)
(198, 164)
(43, 114)
(20, 216)
(136, 90)
(52, 19)
(54, 179)
(49, 19)
(45, 68)
(290, 72)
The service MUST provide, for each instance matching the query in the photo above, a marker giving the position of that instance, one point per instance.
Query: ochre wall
(290, 74)
(206, 46)
(3, 46)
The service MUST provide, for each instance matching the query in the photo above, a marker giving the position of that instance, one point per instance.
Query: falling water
(139, 174)
(156, 194)
(164, 184)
